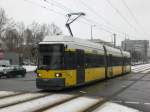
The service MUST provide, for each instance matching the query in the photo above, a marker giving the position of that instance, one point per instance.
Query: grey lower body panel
(50, 84)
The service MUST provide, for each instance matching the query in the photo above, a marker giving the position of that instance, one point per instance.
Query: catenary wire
(121, 15)
(134, 17)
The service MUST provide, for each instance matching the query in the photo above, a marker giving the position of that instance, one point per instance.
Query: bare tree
(37, 34)
(20, 27)
(54, 29)
(11, 39)
(40, 31)
(3, 20)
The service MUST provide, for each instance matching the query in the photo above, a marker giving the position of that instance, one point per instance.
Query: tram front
(50, 64)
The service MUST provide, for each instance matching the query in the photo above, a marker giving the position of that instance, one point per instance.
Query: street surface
(132, 90)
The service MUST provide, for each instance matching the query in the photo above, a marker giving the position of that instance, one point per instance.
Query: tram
(65, 62)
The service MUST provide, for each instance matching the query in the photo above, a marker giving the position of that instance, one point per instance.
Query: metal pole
(92, 31)
(114, 40)
(125, 43)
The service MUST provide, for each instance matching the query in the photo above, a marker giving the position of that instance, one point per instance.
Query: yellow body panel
(117, 70)
(91, 74)
(69, 75)
(94, 74)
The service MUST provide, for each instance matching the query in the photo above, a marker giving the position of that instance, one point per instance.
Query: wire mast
(70, 20)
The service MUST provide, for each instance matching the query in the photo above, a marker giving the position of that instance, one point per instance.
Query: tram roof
(68, 39)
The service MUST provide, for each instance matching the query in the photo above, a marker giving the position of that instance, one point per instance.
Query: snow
(29, 102)
(19, 98)
(7, 93)
(76, 105)
(114, 107)
(144, 68)
(37, 104)
(29, 68)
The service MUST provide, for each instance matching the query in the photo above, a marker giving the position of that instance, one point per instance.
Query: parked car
(12, 71)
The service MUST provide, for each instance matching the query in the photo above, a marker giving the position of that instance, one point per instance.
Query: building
(148, 53)
(137, 48)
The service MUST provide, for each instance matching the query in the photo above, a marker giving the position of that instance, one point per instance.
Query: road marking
(146, 103)
(83, 92)
(76, 105)
(124, 86)
(38, 104)
(129, 102)
(117, 101)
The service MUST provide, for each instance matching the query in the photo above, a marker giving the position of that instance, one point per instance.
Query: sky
(127, 18)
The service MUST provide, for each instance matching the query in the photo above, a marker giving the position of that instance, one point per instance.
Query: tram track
(42, 101)
(94, 107)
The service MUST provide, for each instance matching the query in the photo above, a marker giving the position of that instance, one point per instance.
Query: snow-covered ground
(144, 68)
(56, 103)
(29, 68)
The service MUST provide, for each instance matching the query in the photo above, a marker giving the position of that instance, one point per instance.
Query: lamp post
(92, 31)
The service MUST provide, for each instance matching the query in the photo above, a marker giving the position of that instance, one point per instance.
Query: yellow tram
(66, 62)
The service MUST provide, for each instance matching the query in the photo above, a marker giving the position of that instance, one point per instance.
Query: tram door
(110, 69)
(80, 66)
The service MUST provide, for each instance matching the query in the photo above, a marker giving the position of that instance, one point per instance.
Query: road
(132, 90)
(19, 84)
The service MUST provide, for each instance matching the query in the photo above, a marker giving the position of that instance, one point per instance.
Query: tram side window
(116, 61)
(69, 60)
(126, 61)
(92, 60)
(101, 60)
(87, 60)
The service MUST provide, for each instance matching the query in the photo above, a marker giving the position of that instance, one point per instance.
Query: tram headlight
(58, 75)
(38, 74)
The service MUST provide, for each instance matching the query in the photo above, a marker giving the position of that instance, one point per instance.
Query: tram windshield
(50, 56)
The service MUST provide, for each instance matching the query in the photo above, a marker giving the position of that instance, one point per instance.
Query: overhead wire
(121, 15)
(44, 7)
(61, 6)
(104, 19)
(97, 24)
(69, 10)
(133, 16)
(96, 13)
(57, 4)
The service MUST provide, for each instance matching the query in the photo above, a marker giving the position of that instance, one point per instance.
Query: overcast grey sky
(105, 17)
